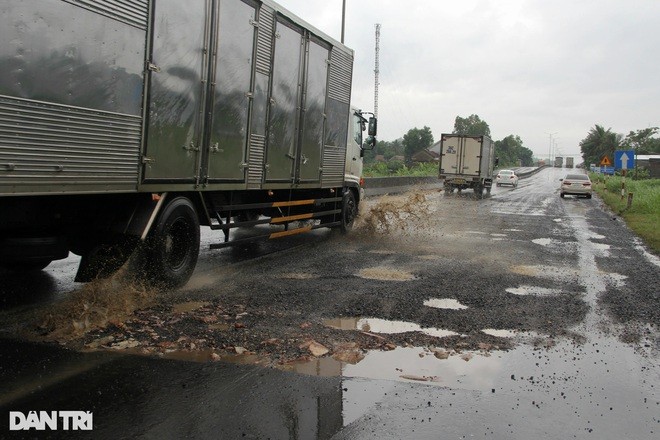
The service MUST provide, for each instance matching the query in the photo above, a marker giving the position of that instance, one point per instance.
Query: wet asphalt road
(562, 280)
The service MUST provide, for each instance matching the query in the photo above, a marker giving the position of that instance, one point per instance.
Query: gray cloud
(527, 67)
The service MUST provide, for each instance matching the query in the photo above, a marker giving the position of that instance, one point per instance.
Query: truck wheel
(348, 212)
(479, 191)
(173, 246)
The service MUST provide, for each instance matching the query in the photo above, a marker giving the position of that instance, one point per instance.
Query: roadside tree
(416, 140)
(472, 125)
(598, 143)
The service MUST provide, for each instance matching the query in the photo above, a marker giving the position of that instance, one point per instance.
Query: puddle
(533, 290)
(428, 257)
(377, 325)
(557, 220)
(500, 333)
(296, 276)
(549, 272)
(201, 356)
(471, 370)
(444, 303)
(543, 241)
(385, 274)
(601, 246)
(498, 235)
(189, 306)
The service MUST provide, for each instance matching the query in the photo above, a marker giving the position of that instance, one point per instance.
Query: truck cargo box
(466, 162)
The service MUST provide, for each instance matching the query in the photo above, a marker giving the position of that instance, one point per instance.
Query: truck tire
(479, 191)
(348, 212)
(173, 245)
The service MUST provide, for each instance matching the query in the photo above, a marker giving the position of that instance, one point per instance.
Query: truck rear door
(284, 103)
(470, 156)
(176, 101)
(231, 92)
(308, 168)
(450, 154)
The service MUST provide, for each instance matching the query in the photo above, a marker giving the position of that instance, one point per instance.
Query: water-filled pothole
(499, 333)
(296, 276)
(471, 370)
(377, 325)
(533, 291)
(543, 241)
(445, 303)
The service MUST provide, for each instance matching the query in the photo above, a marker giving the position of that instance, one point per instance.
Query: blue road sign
(606, 170)
(624, 160)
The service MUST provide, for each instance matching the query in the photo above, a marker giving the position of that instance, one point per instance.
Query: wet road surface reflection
(578, 381)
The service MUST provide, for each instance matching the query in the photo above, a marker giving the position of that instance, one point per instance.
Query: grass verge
(643, 215)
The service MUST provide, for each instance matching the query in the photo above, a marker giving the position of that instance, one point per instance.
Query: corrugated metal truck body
(466, 162)
(234, 105)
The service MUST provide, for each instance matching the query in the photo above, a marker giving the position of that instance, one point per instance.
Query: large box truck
(467, 162)
(133, 123)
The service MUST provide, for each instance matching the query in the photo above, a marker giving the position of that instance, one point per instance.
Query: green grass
(643, 216)
(381, 169)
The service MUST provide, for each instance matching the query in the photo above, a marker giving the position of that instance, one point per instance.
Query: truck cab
(356, 144)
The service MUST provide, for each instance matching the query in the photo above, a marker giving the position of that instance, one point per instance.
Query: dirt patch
(385, 274)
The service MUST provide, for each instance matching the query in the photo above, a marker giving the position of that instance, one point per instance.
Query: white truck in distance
(467, 162)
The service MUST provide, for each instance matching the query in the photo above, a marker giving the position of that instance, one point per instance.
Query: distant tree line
(601, 142)
(509, 150)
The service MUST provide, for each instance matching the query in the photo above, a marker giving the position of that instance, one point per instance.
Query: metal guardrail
(374, 184)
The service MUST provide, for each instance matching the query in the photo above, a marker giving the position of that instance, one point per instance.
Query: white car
(506, 177)
(576, 184)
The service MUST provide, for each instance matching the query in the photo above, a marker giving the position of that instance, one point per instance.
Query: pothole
(386, 274)
(384, 326)
(543, 241)
(533, 291)
(434, 366)
(296, 276)
(445, 303)
(499, 333)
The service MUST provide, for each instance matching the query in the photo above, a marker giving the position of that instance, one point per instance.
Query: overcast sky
(526, 67)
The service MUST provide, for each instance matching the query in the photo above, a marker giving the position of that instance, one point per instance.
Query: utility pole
(343, 20)
(550, 148)
(377, 70)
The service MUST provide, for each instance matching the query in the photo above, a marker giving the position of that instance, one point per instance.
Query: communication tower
(376, 70)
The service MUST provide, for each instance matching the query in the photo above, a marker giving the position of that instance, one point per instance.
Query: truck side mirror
(373, 127)
(369, 143)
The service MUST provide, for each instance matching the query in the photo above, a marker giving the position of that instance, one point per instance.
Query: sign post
(624, 160)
